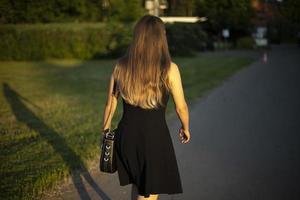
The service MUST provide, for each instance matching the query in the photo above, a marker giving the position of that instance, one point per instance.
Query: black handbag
(108, 158)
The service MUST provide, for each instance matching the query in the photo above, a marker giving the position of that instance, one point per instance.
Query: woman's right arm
(179, 100)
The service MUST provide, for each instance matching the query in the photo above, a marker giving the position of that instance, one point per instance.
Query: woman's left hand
(184, 135)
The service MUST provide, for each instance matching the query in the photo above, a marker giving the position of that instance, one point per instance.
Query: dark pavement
(245, 142)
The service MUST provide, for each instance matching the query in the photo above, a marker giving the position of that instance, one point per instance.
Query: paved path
(245, 138)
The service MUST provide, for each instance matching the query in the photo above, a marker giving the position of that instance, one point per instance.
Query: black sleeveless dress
(144, 151)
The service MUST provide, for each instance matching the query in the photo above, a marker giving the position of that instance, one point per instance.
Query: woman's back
(145, 153)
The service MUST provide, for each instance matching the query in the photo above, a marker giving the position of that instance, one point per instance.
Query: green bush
(185, 38)
(88, 40)
(246, 42)
(82, 41)
(222, 45)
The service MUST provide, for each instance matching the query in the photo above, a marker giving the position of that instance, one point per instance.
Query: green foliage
(233, 14)
(125, 11)
(83, 41)
(181, 8)
(246, 42)
(34, 11)
(290, 10)
(88, 40)
(222, 45)
(185, 38)
(288, 21)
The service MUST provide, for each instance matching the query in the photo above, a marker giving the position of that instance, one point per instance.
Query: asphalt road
(245, 142)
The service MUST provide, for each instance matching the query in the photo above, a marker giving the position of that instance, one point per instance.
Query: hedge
(246, 42)
(82, 41)
(185, 38)
(88, 40)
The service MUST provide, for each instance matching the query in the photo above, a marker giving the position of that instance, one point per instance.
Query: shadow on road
(74, 163)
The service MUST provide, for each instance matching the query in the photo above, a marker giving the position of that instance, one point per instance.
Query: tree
(290, 9)
(33, 11)
(180, 7)
(232, 14)
(128, 11)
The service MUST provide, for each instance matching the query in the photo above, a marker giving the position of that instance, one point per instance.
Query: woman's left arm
(111, 103)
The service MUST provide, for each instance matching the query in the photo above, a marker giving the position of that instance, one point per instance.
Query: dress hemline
(148, 194)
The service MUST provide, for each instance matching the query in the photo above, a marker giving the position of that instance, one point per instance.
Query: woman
(144, 77)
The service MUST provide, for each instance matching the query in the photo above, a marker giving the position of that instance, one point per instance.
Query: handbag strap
(114, 89)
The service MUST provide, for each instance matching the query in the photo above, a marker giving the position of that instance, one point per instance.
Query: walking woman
(144, 77)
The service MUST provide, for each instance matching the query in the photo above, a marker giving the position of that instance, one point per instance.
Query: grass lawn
(51, 113)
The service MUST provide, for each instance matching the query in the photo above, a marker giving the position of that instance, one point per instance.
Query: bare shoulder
(115, 70)
(173, 67)
(174, 73)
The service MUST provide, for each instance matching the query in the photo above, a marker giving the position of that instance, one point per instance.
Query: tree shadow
(74, 163)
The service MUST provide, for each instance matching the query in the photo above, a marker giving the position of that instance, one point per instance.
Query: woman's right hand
(184, 135)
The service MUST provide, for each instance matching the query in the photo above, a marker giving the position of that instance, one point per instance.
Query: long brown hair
(141, 73)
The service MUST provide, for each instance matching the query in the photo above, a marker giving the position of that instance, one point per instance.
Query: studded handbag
(108, 158)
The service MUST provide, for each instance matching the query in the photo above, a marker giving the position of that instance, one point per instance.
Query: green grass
(51, 113)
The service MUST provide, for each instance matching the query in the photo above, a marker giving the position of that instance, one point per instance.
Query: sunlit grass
(51, 114)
